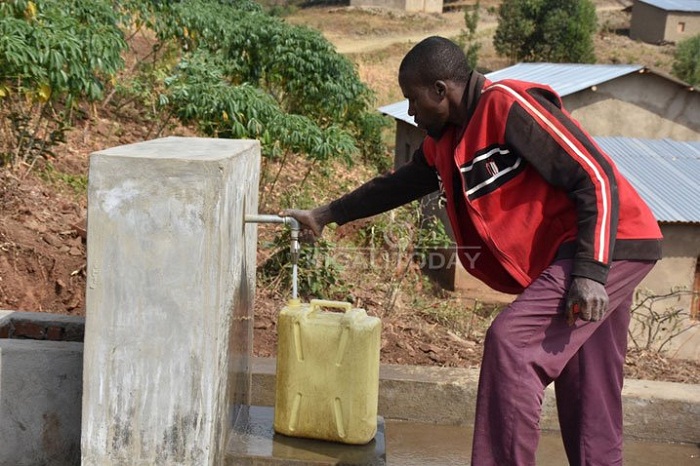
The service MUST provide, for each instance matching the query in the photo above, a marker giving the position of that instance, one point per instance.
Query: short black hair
(435, 58)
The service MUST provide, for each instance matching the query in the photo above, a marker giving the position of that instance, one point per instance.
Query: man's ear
(440, 88)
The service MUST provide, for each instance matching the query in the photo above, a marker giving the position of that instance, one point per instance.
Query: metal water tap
(295, 248)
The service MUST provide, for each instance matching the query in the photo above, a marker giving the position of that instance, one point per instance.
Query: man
(556, 224)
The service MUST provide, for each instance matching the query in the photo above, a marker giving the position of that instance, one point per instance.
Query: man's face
(426, 104)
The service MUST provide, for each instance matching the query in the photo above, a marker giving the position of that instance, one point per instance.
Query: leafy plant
(224, 65)
(295, 66)
(53, 55)
(367, 130)
(686, 64)
(432, 234)
(77, 183)
(245, 74)
(405, 229)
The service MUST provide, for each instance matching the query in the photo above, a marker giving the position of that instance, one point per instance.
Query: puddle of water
(412, 444)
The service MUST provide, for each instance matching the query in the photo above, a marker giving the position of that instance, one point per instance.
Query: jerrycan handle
(318, 303)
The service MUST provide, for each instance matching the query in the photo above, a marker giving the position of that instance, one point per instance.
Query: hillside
(43, 208)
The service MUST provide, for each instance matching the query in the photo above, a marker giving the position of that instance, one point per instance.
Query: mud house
(424, 6)
(658, 21)
(415, 6)
(650, 124)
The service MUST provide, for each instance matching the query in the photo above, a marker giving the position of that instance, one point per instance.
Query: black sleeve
(572, 162)
(409, 182)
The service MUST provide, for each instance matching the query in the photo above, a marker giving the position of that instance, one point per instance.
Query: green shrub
(546, 30)
(686, 64)
(53, 55)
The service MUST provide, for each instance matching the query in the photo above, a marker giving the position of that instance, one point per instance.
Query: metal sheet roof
(666, 173)
(564, 78)
(399, 111)
(691, 6)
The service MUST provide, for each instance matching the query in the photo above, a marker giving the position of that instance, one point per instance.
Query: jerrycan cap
(293, 302)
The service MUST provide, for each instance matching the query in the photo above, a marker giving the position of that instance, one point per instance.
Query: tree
(686, 64)
(546, 30)
(567, 31)
(516, 25)
(467, 40)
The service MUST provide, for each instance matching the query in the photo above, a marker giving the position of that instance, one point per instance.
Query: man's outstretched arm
(380, 194)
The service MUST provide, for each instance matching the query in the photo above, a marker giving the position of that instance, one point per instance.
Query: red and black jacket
(525, 184)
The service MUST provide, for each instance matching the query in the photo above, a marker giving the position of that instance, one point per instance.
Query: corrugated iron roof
(399, 111)
(663, 171)
(564, 78)
(690, 6)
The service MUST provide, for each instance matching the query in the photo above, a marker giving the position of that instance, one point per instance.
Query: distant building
(425, 6)
(657, 21)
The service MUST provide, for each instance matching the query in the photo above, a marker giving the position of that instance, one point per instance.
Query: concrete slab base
(253, 442)
(41, 381)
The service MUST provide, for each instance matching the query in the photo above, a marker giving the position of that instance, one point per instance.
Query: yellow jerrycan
(327, 372)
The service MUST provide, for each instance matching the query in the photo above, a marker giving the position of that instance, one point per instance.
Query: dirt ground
(43, 233)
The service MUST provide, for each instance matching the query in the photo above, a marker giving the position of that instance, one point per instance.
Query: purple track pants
(528, 346)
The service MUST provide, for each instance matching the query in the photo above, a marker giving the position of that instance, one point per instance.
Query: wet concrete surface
(403, 443)
(253, 442)
(415, 444)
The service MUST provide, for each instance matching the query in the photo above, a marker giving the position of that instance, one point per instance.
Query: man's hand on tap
(312, 221)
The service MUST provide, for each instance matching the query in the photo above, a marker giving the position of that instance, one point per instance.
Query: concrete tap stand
(171, 280)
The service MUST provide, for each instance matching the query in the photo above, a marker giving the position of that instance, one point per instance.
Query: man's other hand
(586, 299)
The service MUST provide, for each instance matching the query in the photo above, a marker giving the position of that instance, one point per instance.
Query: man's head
(431, 75)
